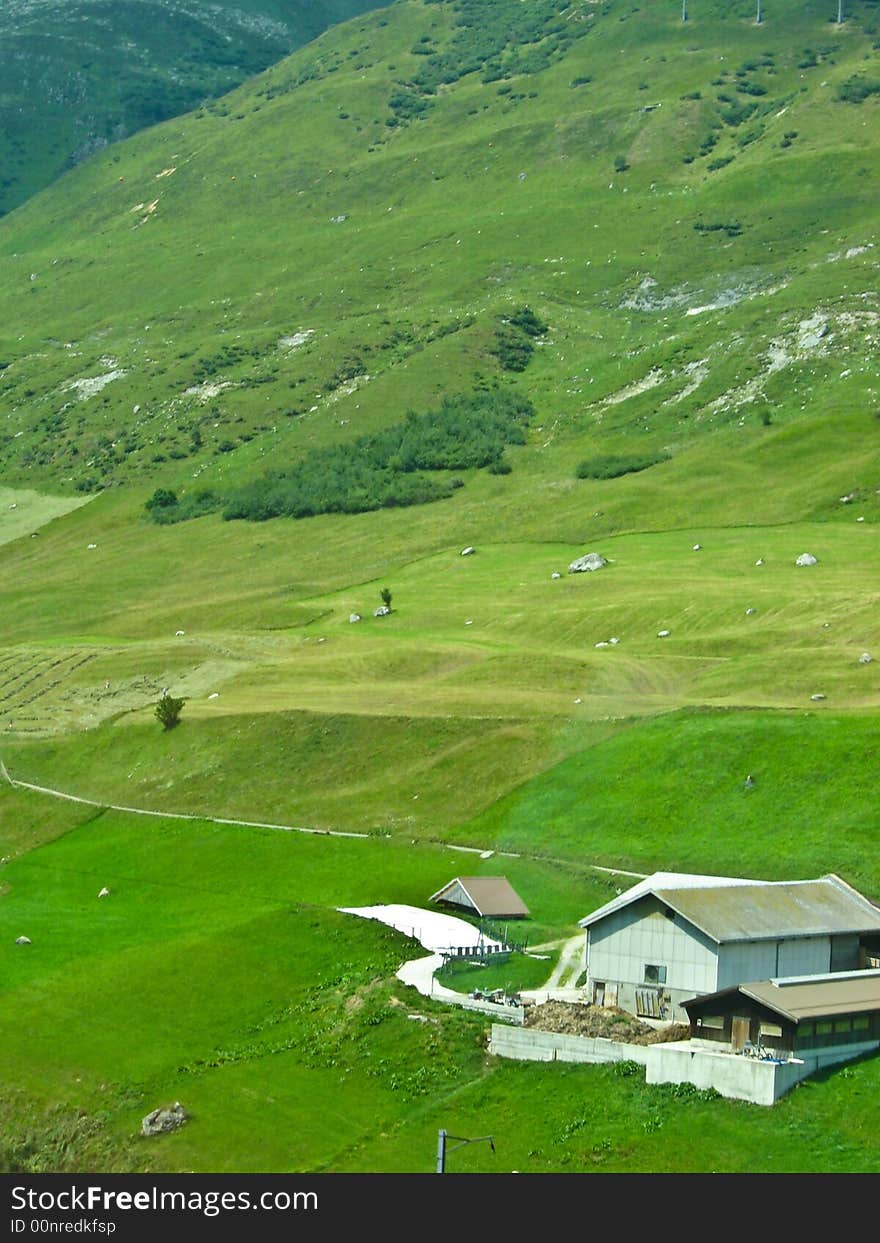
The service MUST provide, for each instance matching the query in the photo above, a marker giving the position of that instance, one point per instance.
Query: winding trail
(6, 776)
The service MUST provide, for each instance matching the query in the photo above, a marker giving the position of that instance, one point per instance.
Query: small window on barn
(654, 974)
(771, 1029)
(862, 1024)
(715, 1021)
(823, 1029)
(806, 1029)
(842, 1025)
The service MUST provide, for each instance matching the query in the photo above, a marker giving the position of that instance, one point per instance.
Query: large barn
(673, 936)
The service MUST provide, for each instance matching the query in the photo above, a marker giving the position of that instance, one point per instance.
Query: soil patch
(572, 1019)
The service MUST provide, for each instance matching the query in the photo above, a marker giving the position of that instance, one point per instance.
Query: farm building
(833, 1017)
(672, 937)
(490, 897)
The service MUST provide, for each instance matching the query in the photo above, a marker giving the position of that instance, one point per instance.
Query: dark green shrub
(612, 466)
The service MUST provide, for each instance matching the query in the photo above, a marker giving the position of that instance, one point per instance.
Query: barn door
(739, 1033)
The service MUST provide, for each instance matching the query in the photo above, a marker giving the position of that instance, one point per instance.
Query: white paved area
(435, 931)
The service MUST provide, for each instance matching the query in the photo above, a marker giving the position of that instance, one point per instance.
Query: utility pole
(684, 10)
(840, 12)
(758, 15)
(443, 1136)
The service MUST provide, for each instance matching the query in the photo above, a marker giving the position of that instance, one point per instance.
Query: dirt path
(568, 968)
(6, 776)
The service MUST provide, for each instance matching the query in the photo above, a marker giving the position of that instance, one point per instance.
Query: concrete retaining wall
(530, 1044)
(681, 1061)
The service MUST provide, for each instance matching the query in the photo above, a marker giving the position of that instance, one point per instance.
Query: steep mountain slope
(81, 73)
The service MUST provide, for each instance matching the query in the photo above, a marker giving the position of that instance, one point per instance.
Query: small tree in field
(386, 597)
(168, 710)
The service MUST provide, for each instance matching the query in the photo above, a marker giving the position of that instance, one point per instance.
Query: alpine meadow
(522, 280)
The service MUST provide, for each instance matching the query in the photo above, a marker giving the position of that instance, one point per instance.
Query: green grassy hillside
(267, 290)
(84, 73)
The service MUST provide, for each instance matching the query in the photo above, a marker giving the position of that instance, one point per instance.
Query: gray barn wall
(621, 945)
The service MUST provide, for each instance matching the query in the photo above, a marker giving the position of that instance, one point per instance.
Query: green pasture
(217, 972)
(224, 293)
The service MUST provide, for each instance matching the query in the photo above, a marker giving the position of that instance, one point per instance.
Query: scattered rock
(750, 612)
(104, 893)
(860, 520)
(816, 698)
(603, 644)
(382, 611)
(23, 941)
(577, 701)
(614, 642)
(663, 634)
(93, 545)
(807, 558)
(469, 622)
(556, 574)
(589, 561)
(162, 1120)
(698, 547)
(845, 500)
(354, 617)
(178, 634)
(214, 695)
(760, 561)
(338, 219)
(865, 658)
(749, 782)
(467, 552)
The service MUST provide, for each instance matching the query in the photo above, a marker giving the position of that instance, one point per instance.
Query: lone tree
(168, 710)
(386, 597)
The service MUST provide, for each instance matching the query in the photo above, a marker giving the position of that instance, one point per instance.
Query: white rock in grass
(750, 612)
(698, 547)
(589, 561)
(382, 611)
(161, 1120)
(807, 558)
(23, 941)
(354, 617)
(178, 634)
(817, 698)
(214, 695)
(614, 642)
(467, 552)
(556, 574)
(865, 658)
(760, 561)
(104, 893)
(601, 645)
(93, 546)
(663, 634)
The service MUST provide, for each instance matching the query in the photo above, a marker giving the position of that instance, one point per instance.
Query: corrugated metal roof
(492, 896)
(803, 997)
(731, 909)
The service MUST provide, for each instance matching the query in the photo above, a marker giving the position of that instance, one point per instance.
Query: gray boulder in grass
(162, 1120)
(588, 562)
(807, 558)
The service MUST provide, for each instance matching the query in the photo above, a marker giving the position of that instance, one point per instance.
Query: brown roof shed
(490, 896)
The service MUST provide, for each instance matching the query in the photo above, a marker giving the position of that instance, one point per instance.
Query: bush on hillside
(857, 89)
(392, 468)
(612, 466)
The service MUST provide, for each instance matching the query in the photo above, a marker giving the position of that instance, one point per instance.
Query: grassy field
(299, 265)
(218, 973)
